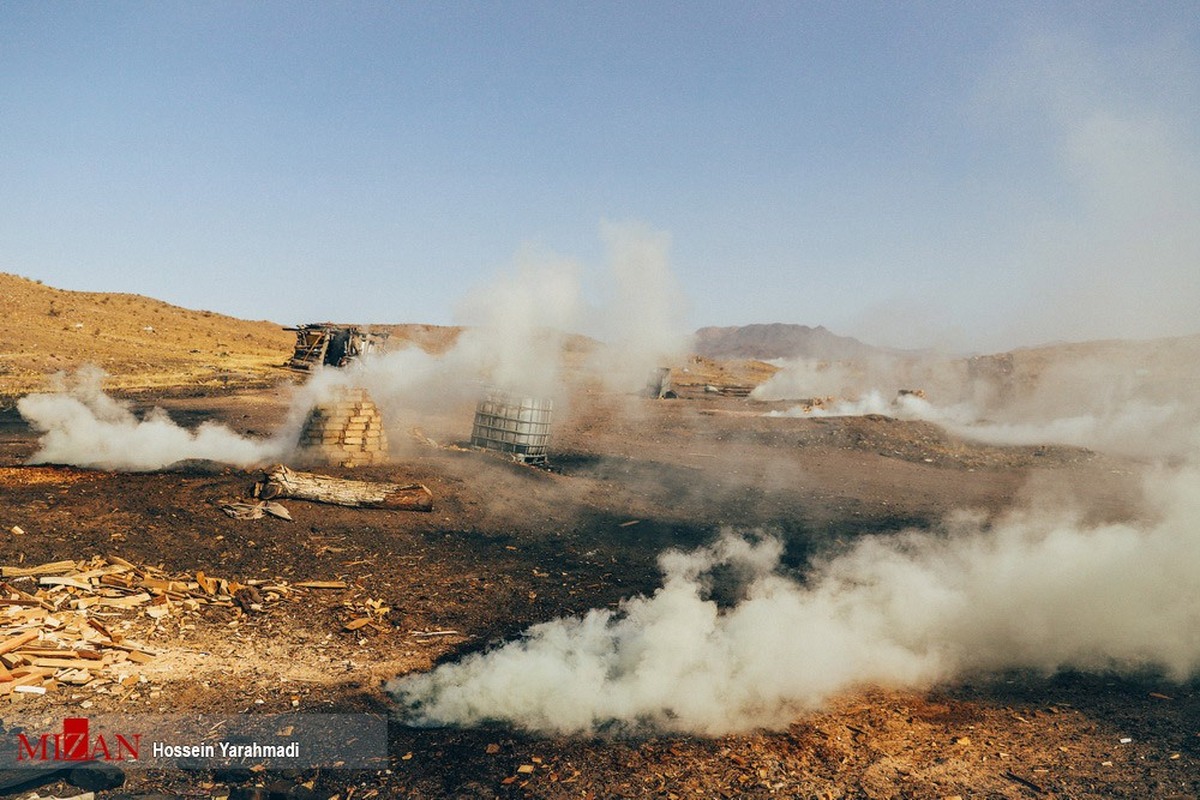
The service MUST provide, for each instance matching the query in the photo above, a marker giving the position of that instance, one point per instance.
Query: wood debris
(321, 585)
(256, 510)
(50, 633)
(369, 612)
(1028, 784)
(421, 438)
(729, 390)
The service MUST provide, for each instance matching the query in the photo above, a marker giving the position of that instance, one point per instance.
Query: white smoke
(1127, 398)
(642, 320)
(873, 402)
(1135, 428)
(811, 378)
(83, 426)
(519, 323)
(1025, 591)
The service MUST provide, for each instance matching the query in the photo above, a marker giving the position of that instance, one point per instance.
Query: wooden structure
(330, 344)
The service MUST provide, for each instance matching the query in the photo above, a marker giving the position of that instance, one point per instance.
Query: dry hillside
(144, 343)
(140, 342)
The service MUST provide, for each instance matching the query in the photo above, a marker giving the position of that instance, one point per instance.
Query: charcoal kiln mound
(344, 431)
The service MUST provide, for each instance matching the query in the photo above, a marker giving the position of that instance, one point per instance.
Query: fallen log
(283, 482)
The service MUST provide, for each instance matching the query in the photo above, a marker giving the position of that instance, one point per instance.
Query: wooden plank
(9, 645)
(100, 572)
(125, 602)
(65, 581)
(68, 663)
(52, 568)
(103, 631)
(136, 647)
(58, 653)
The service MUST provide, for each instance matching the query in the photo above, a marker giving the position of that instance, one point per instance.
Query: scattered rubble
(729, 390)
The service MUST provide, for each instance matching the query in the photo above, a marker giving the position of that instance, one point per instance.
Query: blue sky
(977, 175)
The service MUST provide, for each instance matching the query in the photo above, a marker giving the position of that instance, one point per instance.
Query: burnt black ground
(508, 546)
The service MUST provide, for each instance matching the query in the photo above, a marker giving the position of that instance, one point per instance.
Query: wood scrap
(419, 435)
(258, 510)
(283, 482)
(53, 568)
(51, 638)
(16, 642)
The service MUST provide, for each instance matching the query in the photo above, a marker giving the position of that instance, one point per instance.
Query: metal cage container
(519, 426)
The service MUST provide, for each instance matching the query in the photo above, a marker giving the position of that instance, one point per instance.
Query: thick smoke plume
(642, 319)
(1027, 591)
(83, 426)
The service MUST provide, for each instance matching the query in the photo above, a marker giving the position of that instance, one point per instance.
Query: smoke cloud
(906, 610)
(83, 426)
(642, 321)
(1127, 398)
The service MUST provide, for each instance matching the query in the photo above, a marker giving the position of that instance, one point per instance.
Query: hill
(140, 342)
(778, 340)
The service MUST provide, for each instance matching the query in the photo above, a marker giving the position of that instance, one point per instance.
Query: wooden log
(283, 482)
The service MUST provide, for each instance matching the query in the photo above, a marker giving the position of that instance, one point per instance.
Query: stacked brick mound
(346, 431)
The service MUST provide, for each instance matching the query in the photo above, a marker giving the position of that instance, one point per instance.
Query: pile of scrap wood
(63, 622)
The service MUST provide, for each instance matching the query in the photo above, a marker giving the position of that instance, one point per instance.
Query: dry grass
(140, 342)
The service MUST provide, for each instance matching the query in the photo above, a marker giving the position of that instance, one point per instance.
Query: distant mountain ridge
(780, 340)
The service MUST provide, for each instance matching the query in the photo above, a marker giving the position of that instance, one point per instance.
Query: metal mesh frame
(519, 426)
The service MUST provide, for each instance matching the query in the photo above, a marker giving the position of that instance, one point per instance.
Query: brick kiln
(346, 431)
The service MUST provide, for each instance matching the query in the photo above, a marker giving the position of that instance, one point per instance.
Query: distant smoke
(906, 610)
(1125, 398)
(642, 322)
(519, 323)
(83, 426)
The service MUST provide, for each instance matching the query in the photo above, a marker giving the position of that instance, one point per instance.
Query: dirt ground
(507, 546)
